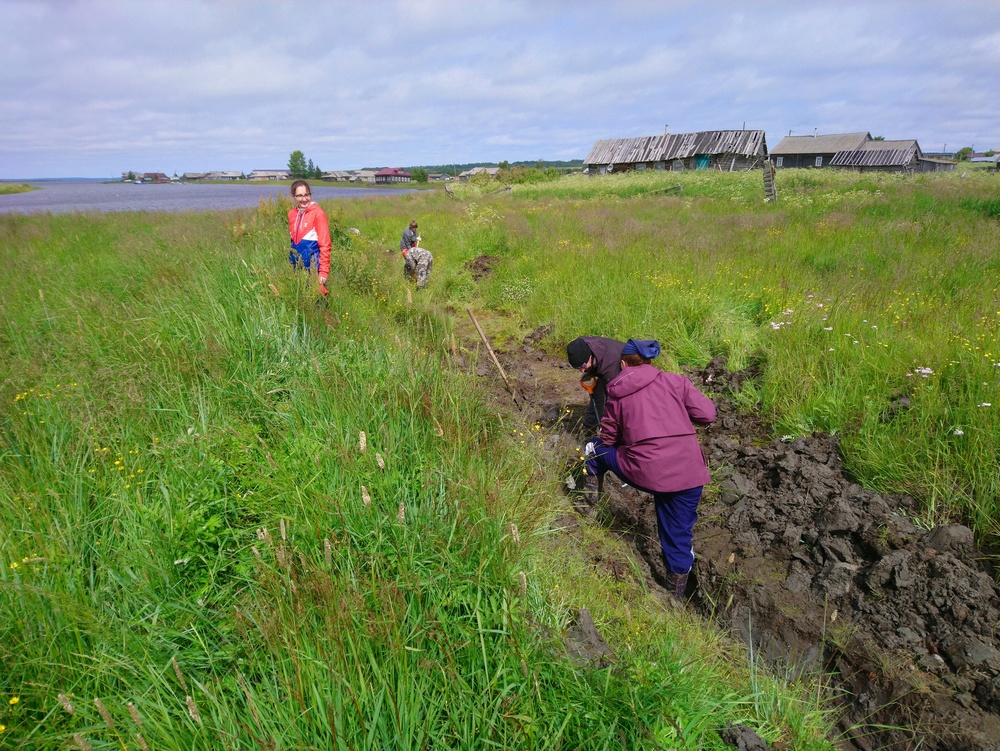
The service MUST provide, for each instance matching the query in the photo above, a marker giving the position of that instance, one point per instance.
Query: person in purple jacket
(648, 439)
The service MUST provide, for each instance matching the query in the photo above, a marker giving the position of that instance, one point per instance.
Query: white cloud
(99, 87)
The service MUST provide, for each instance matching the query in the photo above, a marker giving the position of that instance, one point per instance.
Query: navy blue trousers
(676, 512)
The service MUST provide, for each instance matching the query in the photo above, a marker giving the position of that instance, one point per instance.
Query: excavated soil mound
(814, 571)
(481, 266)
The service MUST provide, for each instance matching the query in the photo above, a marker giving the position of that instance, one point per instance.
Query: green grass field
(10, 188)
(872, 302)
(230, 519)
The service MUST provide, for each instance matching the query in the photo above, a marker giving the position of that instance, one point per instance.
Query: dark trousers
(595, 410)
(676, 512)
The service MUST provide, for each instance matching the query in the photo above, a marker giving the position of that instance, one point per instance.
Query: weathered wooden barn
(727, 150)
(890, 156)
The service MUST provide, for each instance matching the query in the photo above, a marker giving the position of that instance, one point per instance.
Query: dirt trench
(812, 570)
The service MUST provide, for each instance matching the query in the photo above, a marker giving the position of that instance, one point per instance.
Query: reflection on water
(60, 197)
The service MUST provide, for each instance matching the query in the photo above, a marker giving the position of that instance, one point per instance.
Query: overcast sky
(94, 88)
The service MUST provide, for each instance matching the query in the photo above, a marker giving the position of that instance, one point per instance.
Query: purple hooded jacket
(649, 418)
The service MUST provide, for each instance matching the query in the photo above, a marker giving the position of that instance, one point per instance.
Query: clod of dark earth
(481, 266)
(819, 574)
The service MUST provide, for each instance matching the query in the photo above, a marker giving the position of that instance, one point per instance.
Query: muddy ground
(816, 572)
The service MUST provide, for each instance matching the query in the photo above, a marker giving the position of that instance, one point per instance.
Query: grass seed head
(105, 714)
(401, 514)
(192, 709)
(136, 717)
(81, 743)
(66, 704)
(365, 497)
(180, 676)
(362, 441)
(379, 460)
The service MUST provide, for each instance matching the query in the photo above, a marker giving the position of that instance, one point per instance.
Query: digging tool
(496, 362)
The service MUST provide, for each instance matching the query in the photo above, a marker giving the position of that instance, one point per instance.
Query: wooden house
(471, 173)
(391, 176)
(889, 156)
(815, 150)
(337, 176)
(727, 150)
(269, 174)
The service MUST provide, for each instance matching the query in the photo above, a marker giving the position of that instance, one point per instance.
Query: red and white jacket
(309, 230)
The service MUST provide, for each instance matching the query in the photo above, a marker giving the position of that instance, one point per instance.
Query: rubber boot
(680, 586)
(591, 489)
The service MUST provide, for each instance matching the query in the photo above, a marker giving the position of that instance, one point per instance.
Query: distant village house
(857, 151)
(337, 176)
(391, 176)
(269, 174)
(470, 173)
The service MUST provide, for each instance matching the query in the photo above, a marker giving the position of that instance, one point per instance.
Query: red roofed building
(391, 175)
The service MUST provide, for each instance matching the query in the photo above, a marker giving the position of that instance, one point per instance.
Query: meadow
(231, 518)
(9, 188)
(871, 302)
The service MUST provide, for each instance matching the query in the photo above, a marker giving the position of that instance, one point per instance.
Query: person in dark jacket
(648, 439)
(409, 238)
(417, 261)
(599, 360)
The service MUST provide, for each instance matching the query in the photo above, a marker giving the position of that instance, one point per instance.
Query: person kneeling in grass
(648, 439)
(417, 261)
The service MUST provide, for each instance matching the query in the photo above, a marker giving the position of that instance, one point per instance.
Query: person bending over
(417, 261)
(648, 439)
(599, 360)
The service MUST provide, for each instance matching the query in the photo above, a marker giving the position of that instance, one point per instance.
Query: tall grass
(233, 518)
(871, 300)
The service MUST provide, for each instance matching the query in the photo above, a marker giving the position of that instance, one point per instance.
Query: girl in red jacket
(309, 230)
(647, 438)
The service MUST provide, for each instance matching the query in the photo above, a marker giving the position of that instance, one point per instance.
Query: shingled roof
(678, 146)
(878, 154)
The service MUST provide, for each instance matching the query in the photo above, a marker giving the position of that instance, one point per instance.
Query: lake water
(65, 196)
